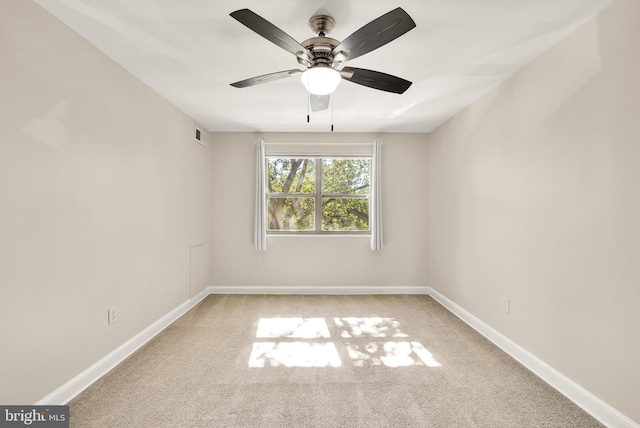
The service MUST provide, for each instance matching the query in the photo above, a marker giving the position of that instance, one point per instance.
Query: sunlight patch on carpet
(299, 328)
(391, 354)
(294, 354)
(369, 327)
(351, 334)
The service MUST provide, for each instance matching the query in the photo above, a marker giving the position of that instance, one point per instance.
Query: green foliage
(291, 214)
(292, 175)
(345, 214)
(295, 180)
(346, 176)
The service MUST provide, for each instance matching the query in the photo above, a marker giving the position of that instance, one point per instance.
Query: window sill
(318, 235)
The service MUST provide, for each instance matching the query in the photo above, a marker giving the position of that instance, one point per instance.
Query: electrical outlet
(505, 304)
(113, 315)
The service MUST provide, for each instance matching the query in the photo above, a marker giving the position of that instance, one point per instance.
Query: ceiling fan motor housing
(322, 46)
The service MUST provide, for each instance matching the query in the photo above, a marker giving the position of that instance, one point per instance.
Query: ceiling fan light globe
(320, 80)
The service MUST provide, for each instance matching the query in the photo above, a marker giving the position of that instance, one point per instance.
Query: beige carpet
(321, 361)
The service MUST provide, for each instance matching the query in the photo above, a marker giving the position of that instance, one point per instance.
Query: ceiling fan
(323, 58)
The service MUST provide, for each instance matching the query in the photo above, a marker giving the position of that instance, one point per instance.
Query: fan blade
(377, 33)
(375, 79)
(319, 102)
(270, 32)
(265, 78)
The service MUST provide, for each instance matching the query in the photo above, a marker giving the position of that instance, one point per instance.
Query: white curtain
(260, 222)
(376, 198)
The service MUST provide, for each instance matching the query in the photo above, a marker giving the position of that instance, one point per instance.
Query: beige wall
(534, 196)
(102, 193)
(310, 261)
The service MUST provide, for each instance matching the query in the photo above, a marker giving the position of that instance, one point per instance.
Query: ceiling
(189, 51)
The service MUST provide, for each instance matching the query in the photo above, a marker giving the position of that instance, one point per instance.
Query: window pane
(346, 176)
(290, 214)
(291, 175)
(345, 214)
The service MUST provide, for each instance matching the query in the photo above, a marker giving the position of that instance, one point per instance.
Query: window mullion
(345, 195)
(318, 196)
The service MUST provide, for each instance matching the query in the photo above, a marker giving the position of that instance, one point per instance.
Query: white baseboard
(79, 383)
(338, 289)
(597, 408)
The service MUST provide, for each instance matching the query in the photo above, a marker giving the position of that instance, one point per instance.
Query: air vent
(200, 136)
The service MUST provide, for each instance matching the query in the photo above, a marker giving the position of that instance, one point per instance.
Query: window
(318, 195)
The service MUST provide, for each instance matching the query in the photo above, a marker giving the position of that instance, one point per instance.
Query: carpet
(322, 361)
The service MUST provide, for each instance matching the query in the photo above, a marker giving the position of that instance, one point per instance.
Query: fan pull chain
(308, 104)
(332, 99)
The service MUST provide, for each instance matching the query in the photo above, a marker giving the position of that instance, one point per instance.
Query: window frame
(318, 195)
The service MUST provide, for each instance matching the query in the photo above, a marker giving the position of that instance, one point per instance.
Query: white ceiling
(191, 50)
